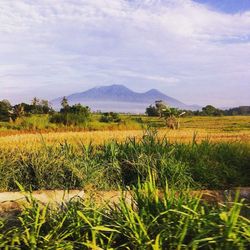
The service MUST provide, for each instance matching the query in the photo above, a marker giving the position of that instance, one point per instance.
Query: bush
(75, 115)
(110, 117)
(33, 122)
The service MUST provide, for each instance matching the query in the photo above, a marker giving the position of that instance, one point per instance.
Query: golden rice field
(98, 137)
(236, 128)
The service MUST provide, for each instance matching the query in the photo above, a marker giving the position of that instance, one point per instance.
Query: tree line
(9, 112)
(78, 114)
(68, 115)
(209, 110)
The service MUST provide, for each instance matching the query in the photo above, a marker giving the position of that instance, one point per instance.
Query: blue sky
(227, 6)
(196, 51)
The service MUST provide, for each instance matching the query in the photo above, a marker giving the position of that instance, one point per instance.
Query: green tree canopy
(211, 111)
(5, 110)
(152, 111)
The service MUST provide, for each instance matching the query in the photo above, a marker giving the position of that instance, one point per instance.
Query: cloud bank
(51, 48)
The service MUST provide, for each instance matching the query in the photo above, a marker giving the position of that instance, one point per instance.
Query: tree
(160, 107)
(242, 110)
(35, 109)
(18, 111)
(152, 111)
(35, 101)
(211, 111)
(171, 115)
(45, 107)
(64, 104)
(72, 115)
(5, 110)
(28, 108)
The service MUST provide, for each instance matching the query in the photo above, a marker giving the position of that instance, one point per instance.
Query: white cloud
(53, 48)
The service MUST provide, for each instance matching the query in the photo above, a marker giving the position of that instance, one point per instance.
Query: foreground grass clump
(116, 164)
(149, 221)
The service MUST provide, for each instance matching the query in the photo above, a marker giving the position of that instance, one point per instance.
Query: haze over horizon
(197, 51)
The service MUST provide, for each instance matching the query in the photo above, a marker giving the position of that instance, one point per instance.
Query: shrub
(75, 115)
(110, 117)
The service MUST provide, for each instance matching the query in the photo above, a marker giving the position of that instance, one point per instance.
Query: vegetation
(75, 115)
(151, 168)
(152, 111)
(16, 117)
(209, 110)
(28, 130)
(5, 109)
(149, 221)
(36, 107)
(242, 110)
(116, 164)
(171, 115)
(110, 117)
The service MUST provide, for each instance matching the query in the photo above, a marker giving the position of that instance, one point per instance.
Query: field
(157, 166)
(128, 122)
(236, 128)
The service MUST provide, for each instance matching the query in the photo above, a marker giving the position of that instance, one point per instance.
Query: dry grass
(98, 137)
(216, 129)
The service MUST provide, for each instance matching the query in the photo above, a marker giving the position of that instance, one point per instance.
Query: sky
(197, 51)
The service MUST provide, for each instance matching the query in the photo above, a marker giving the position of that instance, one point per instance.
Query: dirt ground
(11, 203)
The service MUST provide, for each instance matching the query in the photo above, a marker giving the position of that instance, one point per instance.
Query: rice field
(153, 166)
(33, 140)
(118, 162)
(215, 129)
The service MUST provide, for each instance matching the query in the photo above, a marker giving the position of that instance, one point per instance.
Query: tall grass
(119, 164)
(150, 221)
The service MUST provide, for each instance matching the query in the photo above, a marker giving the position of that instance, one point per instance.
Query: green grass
(149, 222)
(223, 123)
(116, 164)
(34, 122)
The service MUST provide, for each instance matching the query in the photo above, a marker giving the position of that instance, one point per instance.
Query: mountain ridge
(99, 98)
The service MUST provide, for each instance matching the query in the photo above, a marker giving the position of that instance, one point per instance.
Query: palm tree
(172, 117)
(18, 111)
(35, 101)
(65, 103)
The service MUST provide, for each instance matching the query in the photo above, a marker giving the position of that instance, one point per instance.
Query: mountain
(119, 98)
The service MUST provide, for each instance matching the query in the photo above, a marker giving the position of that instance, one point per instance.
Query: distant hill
(119, 98)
